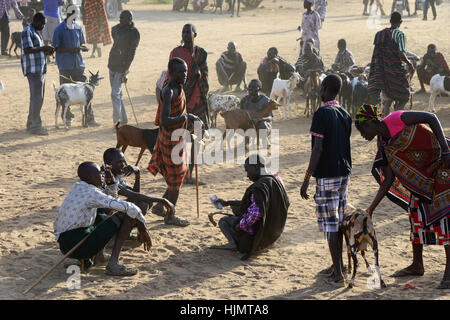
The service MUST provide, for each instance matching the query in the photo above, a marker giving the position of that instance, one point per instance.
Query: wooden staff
(58, 263)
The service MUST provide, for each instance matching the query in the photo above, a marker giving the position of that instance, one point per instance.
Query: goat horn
(91, 73)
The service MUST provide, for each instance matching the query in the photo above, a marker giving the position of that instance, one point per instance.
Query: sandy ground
(37, 172)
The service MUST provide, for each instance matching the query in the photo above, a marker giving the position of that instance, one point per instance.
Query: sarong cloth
(414, 156)
(96, 22)
(175, 174)
(387, 72)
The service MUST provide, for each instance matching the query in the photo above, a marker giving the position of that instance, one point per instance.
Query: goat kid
(135, 137)
(359, 233)
(438, 85)
(217, 103)
(283, 89)
(77, 93)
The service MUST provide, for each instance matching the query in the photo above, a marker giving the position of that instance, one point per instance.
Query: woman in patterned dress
(96, 25)
(412, 167)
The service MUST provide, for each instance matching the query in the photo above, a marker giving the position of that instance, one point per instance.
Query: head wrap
(366, 113)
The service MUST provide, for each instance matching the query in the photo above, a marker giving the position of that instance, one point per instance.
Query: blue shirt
(64, 37)
(32, 62)
(51, 8)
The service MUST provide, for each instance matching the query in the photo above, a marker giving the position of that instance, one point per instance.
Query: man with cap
(126, 40)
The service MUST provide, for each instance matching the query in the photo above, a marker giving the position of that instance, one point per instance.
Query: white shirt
(79, 208)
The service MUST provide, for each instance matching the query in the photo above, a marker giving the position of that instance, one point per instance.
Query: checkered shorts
(331, 200)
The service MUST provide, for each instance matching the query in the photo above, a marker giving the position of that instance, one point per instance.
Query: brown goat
(243, 119)
(136, 137)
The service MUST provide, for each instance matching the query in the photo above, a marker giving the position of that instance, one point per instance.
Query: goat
(16, 40)
(247, 119)
(359, 232)
(70, 94)
(217, 103)
(359, 93)
(135, 137)
(438, 85)
(311, 90)
(283, 89)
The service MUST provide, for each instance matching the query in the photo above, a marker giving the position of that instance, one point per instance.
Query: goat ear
(91, 73)
(97, 72)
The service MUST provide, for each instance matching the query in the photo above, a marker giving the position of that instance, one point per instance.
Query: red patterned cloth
(96, 22)
(414, 156)
(175, 174)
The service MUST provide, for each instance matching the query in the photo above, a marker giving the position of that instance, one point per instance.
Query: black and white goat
(76, 93)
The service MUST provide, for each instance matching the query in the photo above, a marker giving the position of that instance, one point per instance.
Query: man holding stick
(78, 217)
(167, 159)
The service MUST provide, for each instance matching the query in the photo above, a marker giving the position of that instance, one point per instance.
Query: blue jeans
(119, 113)
(36, 82)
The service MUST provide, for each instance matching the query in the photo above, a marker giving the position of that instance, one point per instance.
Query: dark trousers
(4, 29)
(429, 3)
(36, 82)
(75, 75)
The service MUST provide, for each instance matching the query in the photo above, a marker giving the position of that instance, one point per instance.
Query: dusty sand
(37, 172)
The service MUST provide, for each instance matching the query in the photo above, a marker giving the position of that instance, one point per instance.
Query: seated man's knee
(144, 206)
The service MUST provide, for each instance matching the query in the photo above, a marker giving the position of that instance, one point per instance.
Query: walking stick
(58, 263)
(132, 108)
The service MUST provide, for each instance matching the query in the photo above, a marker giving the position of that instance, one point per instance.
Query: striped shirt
(399, 38)
(32, 62)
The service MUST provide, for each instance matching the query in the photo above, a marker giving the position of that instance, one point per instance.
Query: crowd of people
(412, 160)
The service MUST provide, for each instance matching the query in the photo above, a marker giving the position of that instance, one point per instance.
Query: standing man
(231, 68)
(53, 16)
(311, 24)
(387, 72)
(126, 39)
(429, 3)
(167, 158)
(5, 5)
(321, 7)
(34, 67)
(331, 165)
(196, 86)
(68, 40)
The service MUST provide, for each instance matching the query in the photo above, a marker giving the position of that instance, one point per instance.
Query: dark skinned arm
(166, 120)
(46, 49)
(416, 117)
(313, 162)
(136, 197)
(226, 203)
(389, 178)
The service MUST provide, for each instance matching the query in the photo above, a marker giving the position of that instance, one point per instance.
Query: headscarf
(366, 113)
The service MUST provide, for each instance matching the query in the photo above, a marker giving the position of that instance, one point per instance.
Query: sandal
(176, 221)
(119, 270)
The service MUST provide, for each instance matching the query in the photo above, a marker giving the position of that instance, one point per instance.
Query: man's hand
(169, 206)
(224, 203)
(84, 48)
(193, 118)
(144, 237)
(123, 78)
(304, 190)
(128, 170)
(48, 49)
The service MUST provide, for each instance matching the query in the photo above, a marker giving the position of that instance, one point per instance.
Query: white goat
(77, 93)
(283, 89)
(438, 85)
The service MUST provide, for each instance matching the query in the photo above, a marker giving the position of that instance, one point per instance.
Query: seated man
(231, 68)
(261, 214)
(268, 70)
(116, 185)
(256, 101)
(433, 62)
(308, 62)
(344, 58)
(77, 217)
